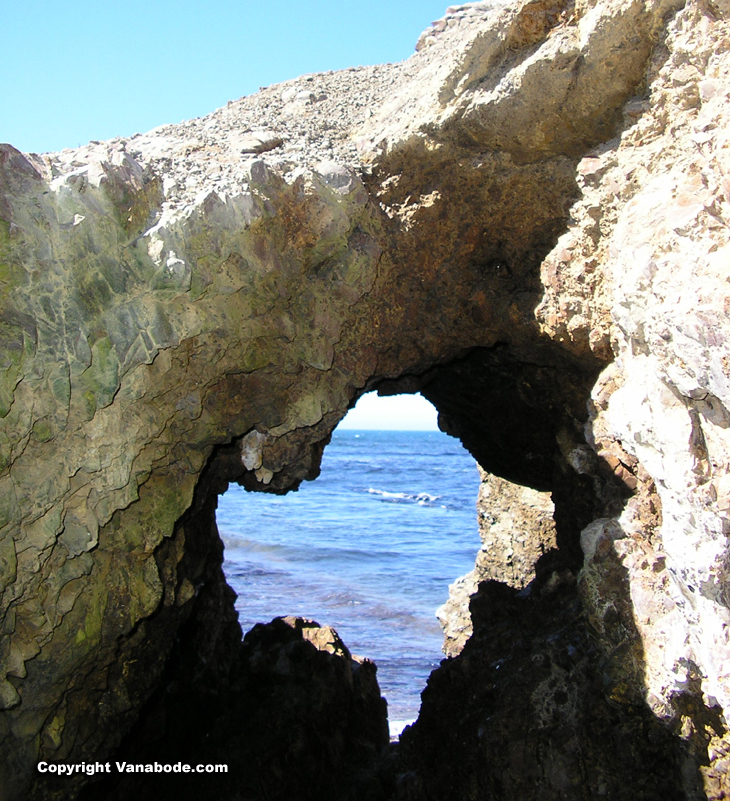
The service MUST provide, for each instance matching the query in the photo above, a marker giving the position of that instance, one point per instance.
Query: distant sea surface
(369, 548)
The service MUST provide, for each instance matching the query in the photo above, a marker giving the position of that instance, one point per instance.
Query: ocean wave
(420, 498)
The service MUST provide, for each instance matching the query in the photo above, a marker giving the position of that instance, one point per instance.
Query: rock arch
(202, 304)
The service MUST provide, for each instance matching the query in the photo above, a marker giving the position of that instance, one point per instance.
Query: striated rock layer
(527, 221)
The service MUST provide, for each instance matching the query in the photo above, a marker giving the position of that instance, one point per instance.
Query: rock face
(516, 528)
(527, 221)
(523, 712)
(301, 718)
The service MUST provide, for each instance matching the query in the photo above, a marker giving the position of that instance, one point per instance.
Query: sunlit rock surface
(516, 528)
(527, 221)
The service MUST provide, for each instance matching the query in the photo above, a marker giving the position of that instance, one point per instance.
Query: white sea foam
(421, 498)
(386, 494)
(396, 728)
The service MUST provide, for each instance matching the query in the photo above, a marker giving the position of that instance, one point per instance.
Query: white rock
(337, 176)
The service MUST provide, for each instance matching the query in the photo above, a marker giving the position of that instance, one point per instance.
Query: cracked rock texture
(527, 221)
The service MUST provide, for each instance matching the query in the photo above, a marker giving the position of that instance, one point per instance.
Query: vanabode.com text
(90, 768)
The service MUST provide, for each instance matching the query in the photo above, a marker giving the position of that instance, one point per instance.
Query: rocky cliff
(527, 221)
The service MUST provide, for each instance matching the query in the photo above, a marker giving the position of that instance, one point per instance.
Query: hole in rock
(369, 548)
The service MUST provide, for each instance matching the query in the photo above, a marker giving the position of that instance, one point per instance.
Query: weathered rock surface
(516, 528)
(527, 221)
(654, 218)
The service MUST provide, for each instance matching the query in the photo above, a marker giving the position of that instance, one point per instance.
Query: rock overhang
(166, 296)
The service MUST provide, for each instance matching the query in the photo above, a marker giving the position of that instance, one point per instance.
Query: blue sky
(80, 70)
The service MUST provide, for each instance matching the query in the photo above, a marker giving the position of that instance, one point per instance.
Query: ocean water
(369, 548)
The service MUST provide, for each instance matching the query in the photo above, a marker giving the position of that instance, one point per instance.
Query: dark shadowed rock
(302, 718)
(529, 222)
